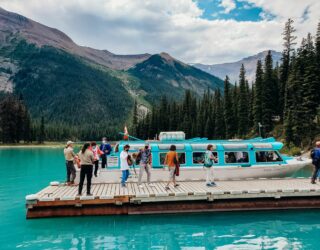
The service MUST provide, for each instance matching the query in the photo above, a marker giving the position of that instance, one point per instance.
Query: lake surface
(25, 171)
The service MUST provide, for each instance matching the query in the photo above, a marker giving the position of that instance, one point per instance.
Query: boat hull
(220, 172)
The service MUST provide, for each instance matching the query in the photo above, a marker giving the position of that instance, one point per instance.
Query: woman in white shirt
(124, 165)
(209, 160)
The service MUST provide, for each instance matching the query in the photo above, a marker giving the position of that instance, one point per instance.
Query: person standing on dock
(69, 157)
(209, 159)
(106, 148)
(145, 165)
(96, 152)
(124, 165)
(87, 159)
(315, 155)
(171, 161)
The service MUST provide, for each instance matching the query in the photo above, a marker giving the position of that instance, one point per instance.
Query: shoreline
(34, 145)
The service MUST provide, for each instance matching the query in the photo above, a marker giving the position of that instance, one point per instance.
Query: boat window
(198, 157)
(236, 157)
(167, 146)
(181, 157)
(268, 156)
(202, 146)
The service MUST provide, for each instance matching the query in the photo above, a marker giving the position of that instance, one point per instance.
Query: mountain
(232, 69)
(161, 74)
(41, 35)
(80, 90)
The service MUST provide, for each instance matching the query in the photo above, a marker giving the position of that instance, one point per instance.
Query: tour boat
(236, 159)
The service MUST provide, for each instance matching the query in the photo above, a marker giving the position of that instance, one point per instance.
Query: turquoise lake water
(25, 171)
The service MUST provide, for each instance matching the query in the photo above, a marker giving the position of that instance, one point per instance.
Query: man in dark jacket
(315, 155)
(105, 147)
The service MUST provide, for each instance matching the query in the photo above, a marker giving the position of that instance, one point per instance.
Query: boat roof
(201, 140)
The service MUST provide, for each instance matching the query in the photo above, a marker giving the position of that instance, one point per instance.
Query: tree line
(284, 96)
(15, 122)
(16, 125)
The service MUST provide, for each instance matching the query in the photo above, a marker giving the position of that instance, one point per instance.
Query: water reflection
(247, 230)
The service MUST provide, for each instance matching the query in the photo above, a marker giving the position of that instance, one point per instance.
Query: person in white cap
(69, 156)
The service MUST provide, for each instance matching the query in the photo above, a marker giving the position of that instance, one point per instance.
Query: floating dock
(191, 196)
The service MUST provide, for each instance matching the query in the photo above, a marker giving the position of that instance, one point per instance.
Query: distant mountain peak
(232, 68)
(166, 56)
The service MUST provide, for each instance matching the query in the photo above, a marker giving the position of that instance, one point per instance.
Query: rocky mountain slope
(41, 35)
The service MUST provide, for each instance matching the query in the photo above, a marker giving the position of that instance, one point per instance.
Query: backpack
(207, 161)
(138, 159)
(315, 157)
(129, 160)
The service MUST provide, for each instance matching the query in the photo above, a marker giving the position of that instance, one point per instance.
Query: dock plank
(298, 190)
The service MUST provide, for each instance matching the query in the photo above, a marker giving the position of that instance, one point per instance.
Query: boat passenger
(145, 165)
(125, 162)
(209, 160)
(106, 148)
(97, 153)
(69, 157)
(171, 161)
(86, 158)
(315, 155)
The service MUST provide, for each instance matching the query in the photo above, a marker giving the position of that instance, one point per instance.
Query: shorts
(172, 173)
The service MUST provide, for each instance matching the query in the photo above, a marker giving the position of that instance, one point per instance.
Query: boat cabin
(244, 153)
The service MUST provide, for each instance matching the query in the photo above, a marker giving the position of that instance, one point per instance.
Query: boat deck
(190, 196)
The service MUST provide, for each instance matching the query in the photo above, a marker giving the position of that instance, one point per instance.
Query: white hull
(220, 172)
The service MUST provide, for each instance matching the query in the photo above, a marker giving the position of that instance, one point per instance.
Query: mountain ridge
(41, 35)
(232, 68)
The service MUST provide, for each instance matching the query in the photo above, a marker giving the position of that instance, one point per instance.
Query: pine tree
(219, 118)
(235, 102)
(228, 111)
(310, 89)
(269, 94)
(243, 112)
(288, 47)
(257, 109)
(317, 45)
(42, 131)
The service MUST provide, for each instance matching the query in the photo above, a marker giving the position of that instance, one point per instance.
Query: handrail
(131, 137)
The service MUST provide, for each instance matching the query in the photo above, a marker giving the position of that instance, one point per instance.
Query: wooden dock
(191, 196)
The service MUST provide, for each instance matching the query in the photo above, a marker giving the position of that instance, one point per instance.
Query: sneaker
(151, 185)
(177, 185)
(141, 186)
(213, 184)
(313, 182)
(209, 185)
(95, 175)
(166, 188)
(89, 194)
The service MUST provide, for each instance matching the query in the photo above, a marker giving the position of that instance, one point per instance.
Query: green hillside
(82, 99)
(163, 75)
(65, 89)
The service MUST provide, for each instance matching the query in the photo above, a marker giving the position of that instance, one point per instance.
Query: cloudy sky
(205, 31)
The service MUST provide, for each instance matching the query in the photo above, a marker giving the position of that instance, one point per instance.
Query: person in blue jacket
(106, 148)
(315, 155)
